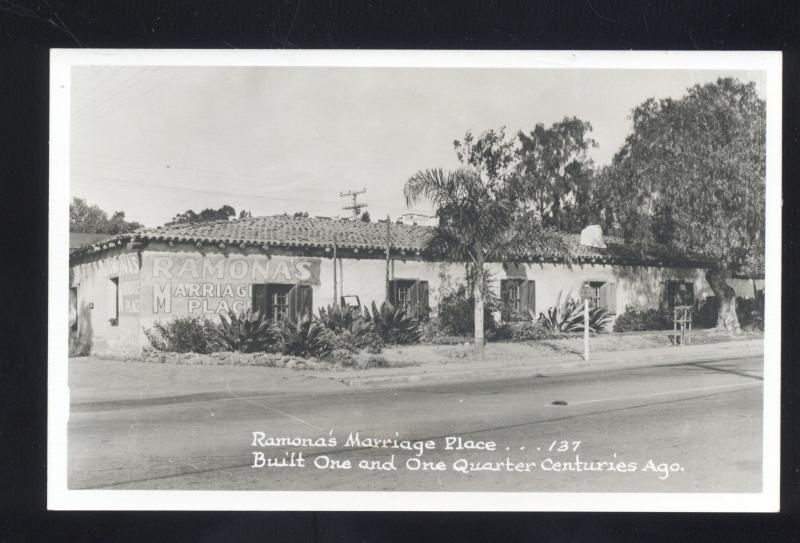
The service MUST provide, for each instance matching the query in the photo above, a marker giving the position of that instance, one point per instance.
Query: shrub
(393, 324)
(246, 332)
(184, 335)
(638, 320)
(374, 362)
(345, 341)
(567, 316)
(751, 312)
(456, 313)
(304, 337)
(431, 330)
(706, 313)
(531, 330)
(500, 332)
(371, 342)
(342, 357)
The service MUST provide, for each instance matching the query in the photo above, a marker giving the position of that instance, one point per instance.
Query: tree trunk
(728, 319)
(477, 292)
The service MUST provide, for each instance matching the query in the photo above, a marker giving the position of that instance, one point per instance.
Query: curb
(604, 361)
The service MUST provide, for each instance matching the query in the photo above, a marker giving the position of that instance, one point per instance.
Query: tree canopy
(554, 172)
(479, 211)
(224, 213)
(692, 174)
(85, 218)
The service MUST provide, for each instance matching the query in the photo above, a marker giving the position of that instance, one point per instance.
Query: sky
(154, 141)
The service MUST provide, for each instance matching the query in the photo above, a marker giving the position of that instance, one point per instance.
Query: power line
(108, 180)
(110, 94)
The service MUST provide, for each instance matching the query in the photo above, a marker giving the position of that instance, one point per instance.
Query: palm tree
(481, 221)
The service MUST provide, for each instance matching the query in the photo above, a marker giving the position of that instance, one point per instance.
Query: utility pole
(355, 206)
(388, 251)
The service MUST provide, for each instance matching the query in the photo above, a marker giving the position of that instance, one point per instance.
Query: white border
(60, 498)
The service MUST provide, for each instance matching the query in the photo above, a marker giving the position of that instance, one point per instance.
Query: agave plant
(245, 332)
(393, 324)
(338, 318)
(304, 337)
(567, 316)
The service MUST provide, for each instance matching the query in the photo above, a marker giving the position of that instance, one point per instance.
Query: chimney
(592, 236)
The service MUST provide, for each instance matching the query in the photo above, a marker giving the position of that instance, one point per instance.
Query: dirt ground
(512, 350)
(92, 379)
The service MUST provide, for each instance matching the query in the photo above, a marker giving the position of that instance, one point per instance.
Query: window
(279, 301)
(114, 302)
(512, 295)
(518, 298)
(679, 293)
(603, 294)
(410, 294)
(594, 296)
(404, 294)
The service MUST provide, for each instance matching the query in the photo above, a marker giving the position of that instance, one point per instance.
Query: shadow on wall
(647, 285)
(80, 339)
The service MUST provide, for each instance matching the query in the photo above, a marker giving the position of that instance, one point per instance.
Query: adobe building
(285, 265)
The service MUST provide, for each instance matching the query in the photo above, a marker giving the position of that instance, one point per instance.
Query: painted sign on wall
(129, 295)
(218, 284)
(115, 266)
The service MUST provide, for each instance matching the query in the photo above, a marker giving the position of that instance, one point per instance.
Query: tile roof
(317, 232)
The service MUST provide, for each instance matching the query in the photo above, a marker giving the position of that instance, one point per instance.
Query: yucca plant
(393, 324)
(304, 337)
(246, 332)
(567, 316)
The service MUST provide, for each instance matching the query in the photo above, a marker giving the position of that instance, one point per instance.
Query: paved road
(703, 419)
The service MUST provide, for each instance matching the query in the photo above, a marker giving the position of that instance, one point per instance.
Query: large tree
(480, 216)
(85, 218)
(555, 172)
(692, 175)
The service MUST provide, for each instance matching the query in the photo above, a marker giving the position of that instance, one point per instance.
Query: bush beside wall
(635, 319)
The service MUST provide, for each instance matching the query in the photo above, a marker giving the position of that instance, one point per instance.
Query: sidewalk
(493, 367)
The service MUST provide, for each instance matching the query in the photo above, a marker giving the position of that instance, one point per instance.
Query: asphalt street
(679, 428)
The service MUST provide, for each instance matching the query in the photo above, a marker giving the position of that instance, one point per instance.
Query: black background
(29, 29)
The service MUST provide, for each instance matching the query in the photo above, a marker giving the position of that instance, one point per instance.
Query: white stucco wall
(161, 269)
(744, 287)
(96, 303)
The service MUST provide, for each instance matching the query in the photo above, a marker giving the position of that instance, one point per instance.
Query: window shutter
(530, 296)
(413, 295)
(608, 294)
(291, 300)
(260, 299)
(664, 302)
(304, 305)
(603, 301)
(423, 299)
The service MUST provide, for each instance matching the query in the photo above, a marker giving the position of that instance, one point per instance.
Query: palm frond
(434, 185)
